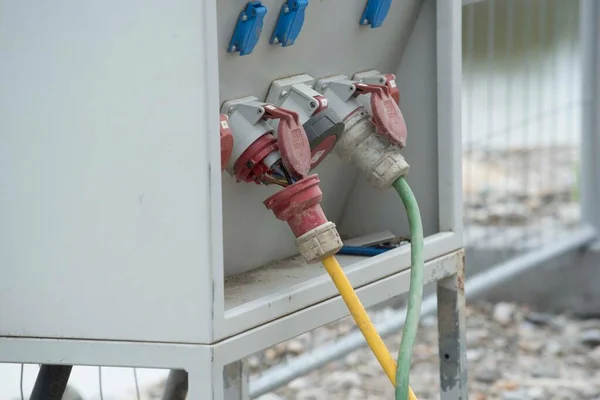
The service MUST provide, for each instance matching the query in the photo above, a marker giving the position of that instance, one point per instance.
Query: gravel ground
(513, 354)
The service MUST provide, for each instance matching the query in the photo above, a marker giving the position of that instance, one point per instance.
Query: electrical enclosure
(116, 222)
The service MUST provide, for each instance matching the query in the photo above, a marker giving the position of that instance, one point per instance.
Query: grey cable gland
(320, 242)
(380, 161)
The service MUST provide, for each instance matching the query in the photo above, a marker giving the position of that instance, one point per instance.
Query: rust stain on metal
(461, 283)
(460, 276)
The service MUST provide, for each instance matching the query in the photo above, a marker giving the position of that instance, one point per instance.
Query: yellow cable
(362, 319)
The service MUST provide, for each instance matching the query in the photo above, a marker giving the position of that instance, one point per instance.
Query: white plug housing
(323, 241)
(381, 162)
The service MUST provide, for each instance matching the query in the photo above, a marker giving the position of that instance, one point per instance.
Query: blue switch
(248, 28)
(289, 24)
(375, 12)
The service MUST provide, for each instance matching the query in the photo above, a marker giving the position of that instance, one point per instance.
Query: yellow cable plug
(358, 312)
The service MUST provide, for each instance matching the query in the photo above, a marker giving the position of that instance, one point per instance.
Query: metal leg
(201, 385)
(452, 337)
(235, 377)
(51, 382)
(176, 387)
(235, 380)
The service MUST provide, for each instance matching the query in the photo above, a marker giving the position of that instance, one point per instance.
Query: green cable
(415, 295)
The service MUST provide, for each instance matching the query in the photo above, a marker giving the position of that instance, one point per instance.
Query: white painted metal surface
(110, 210)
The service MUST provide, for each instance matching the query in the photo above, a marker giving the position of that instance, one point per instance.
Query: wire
(362, 319)
(137, 386)
(415, 294)
(100, 382)
(288, 177)
(269, 179)
(21, 383)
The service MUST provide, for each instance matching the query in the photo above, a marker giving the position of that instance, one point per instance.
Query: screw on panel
(276, 40)
(244, 17)
(283, 94)
(312, 104)
(365, 22)
(286, 9)
(234, 48)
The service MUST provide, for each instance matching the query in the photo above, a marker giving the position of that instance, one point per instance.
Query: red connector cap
(226, 141)
(299, 205)
(387, 116)
(292, 140)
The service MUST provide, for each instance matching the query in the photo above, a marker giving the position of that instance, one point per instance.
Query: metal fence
(524, 122)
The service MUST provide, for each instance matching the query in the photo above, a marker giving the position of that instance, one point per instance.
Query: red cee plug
(387, 116)
(299, 205)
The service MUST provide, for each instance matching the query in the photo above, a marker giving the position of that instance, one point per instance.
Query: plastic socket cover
(248, 28)
(323, 131)
(289, 23)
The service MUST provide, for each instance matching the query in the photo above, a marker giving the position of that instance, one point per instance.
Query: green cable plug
(415, 296)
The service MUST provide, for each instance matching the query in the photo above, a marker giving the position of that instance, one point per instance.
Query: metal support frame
(452, 336)
(590, 141)
(176, 387)
(51, 382)
(235, 378)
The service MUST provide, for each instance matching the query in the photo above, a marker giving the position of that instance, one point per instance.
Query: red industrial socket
(299, 205)
(291, 142)
(226, 141)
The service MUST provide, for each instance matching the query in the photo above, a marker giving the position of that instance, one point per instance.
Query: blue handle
(362, 251)
(289, 23)
(248, 28)
(375, 12)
